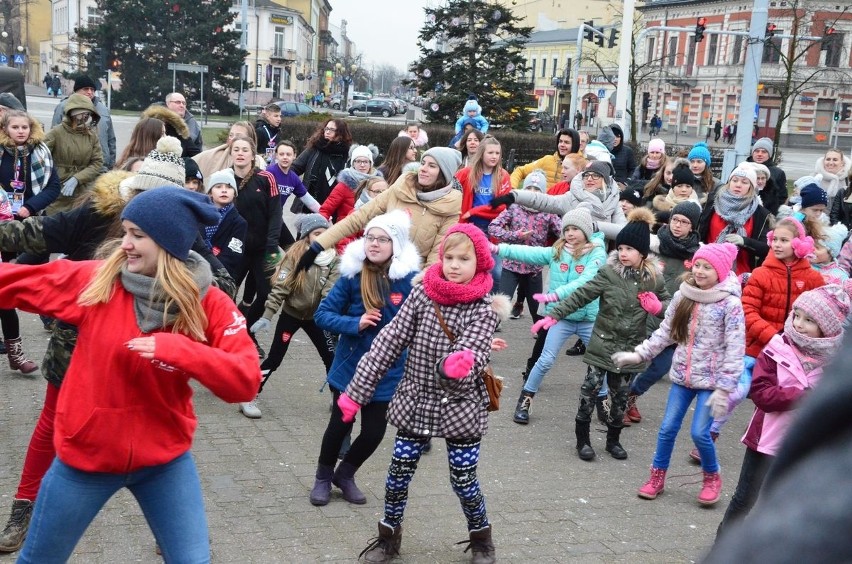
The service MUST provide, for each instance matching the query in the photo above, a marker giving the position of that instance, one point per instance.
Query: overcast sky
(385, 31)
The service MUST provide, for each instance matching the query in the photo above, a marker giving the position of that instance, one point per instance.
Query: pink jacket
(778, 383)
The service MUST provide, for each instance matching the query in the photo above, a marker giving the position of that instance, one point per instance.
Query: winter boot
(12, 537)
(579, 349)
(522, 410)
(344, 478)
(602, 406)
(631, 414)
(384, 547)
(711, 490)
(481, 546)
(517, 310)
(584, 443)
(655, 484)
(321, 492)
(694, 454)
(612, 445)
(250, 409)
(17, 360)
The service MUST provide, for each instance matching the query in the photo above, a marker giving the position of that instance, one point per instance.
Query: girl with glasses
(322, 160)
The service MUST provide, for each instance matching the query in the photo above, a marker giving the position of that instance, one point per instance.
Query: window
(278, 49)
(93, 16)
(712, 49)
(672, 50)
(834, 49)
(533, 69)
(60, 20)
(772, 49)
(737, 50)
(652, 44)
(555, 65)
(690, 55)
(543, 67)
(259, 74)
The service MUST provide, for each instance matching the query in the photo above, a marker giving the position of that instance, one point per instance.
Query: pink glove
(546, 298)
(495, 249)
(544, 323)
(650, 302)
(458, 364)
(348, 407)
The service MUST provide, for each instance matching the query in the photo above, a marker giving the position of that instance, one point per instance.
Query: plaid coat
(426, 402)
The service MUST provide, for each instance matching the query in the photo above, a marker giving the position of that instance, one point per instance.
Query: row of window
(555, 69)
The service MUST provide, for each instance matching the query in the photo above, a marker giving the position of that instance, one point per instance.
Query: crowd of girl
(394, 276)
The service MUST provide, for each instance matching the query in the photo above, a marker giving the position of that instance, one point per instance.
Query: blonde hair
(457, 239)
(293, 283)
(374, 284)
(174, 279)
(477, 166)
(559, 246)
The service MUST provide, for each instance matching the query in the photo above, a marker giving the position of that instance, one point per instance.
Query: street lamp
(347, 74)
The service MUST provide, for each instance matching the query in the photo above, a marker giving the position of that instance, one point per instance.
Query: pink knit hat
(720, 256)
(657, 145)
(829, 306)
(484, 261)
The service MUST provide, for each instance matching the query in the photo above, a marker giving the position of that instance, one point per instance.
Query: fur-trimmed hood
(352, 178)
(107, 198)
(652, 267)
(422, 139)
(36, 135)
(352, 261)
(502, 306)
(170, 118)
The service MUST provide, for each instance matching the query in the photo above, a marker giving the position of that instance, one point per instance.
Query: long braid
(248, 177)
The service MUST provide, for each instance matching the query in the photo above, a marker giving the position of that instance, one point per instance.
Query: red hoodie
(485, 212)
(118, 412)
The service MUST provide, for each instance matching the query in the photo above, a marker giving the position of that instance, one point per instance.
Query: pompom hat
(828, 305)
(637, 232)
(700, 151)
(721, 257)
(682, 175)
(162, 167)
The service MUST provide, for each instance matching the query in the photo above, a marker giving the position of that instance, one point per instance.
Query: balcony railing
(284, 54)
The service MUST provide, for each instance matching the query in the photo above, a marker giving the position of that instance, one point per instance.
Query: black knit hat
(632, 195)
(192, 170)
(637, 232)
(688, 209)
(84, 81)
(682, 175)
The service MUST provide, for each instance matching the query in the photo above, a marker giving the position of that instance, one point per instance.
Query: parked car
(382, 108)
(542, 121)
(334, 101)
(290, 109)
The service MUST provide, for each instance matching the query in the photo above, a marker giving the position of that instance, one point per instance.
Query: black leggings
(373, 426)
(527, 285)
(253, 263)
(10, 324)
(284, 331)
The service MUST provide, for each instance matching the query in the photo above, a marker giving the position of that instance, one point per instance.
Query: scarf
(814, 352)
(449, 293)
(682, 249)
(210, 230)
(352, 178)
(699, 296)
(653, 164)
(149, 300)
(600, 203)
(434, 194)
(41, 163)
(735, 211)
(675, 200)
(364, 198)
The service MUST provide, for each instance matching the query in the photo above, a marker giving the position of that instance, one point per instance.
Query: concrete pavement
(545, 504)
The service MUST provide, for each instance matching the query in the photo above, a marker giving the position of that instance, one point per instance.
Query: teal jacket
(566, 274)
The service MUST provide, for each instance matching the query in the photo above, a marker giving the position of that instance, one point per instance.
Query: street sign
(4, 60)
(190, 68)
(19, 59)
(602, 93)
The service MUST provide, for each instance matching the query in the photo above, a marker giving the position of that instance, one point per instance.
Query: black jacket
(755, 244)
(260, 205)
(228, 243)
(267, 137)
(319, 166)
(33, 202)
(779, 177)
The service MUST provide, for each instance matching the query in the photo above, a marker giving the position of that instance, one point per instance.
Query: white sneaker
(250, 409)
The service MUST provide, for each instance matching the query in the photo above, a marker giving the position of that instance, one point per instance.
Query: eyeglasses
(592, 175)
(680, 221)
(379, 240)
(330, 130)
(360, 161)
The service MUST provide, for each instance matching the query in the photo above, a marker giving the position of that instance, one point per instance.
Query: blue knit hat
(172, 217)
(700, 151)
(813, 195)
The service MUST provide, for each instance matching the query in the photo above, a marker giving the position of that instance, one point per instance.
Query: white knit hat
(225, 176)
(162, 167)
(405, 258)
(745, 171)
(536, 180)
(361, 152)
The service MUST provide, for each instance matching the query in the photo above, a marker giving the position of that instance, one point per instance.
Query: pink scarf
(449, 293)
(652, 164)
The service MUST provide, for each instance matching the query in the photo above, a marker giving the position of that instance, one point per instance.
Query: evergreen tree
(476, 51)
(139, 38)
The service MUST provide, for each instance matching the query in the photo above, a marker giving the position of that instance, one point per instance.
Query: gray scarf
(735, 210)
(149, 300)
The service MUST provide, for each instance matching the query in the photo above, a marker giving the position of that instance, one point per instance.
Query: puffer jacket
(712, 357)
(430, 219)
(425, 403)
(778, 384)
(769, 295)
(75, 153)
(513, 221)
(566, 273)
(836, 187)
(341, 310)
(550, 164)
(319, 279)
(606, 214)
(106, 133)
(621, 322)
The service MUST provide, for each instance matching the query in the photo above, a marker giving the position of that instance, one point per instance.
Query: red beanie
(484, 261)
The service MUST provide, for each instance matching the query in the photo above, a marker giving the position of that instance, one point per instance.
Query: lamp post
(347, 75)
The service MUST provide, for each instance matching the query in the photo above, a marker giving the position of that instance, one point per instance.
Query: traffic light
(700, 26)
(846, 112)
(646, 100)
(599, 37)
(770, 30)
(613, 38)
(836, 116)
(98, 61)
(588, 34)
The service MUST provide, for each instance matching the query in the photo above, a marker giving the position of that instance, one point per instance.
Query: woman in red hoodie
(149, 320)
(481, 182)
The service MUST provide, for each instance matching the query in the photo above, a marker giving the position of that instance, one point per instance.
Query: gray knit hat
(764, 143)
(581, 219)
(8, 100)
(162, 167)
(225, 176)
(690, 210)
(309, 222)
(449, 160)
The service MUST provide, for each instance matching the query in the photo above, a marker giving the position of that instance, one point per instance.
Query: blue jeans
(497, 273)
(679, 399)
(69, 499)
(658, 368)
(556, 337)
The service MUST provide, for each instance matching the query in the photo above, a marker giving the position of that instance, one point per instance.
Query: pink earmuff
(803, 244)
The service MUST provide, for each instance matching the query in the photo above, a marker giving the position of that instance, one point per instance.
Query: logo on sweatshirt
(800, 284)
(396, 298)
(563, 267)
(579, 269)
(236, 245)
(237, 325)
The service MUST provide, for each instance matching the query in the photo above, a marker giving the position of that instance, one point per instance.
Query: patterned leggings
(463, 456)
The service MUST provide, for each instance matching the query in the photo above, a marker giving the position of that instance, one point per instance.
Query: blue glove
(260, 325)
(69, 186)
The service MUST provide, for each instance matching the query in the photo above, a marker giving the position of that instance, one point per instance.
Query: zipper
(789, 290)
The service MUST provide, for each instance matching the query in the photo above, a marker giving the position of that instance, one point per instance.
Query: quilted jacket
(514, 220)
